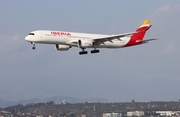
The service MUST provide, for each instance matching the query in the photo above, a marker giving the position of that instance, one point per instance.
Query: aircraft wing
(110, 38)
(103, 39)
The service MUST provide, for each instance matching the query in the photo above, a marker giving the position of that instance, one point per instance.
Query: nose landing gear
(33, 43)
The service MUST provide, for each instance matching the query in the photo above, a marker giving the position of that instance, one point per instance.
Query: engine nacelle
(62, 47)
(85, 43)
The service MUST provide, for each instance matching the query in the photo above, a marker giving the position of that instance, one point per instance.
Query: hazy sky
(148, 72)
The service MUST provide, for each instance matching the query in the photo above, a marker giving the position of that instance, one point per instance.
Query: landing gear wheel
(94, 51)
(33, 48)
(83, 52)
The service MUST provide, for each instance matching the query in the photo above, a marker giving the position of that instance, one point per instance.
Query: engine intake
(85, 43)
(62, 47)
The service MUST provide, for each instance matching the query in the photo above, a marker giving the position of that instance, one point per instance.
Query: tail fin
(136, 38)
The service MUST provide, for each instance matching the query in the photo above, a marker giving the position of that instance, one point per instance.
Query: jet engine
(85, 43)
(62, 47)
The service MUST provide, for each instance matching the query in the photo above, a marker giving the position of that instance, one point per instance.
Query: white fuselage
(65, 40)
(69, 38)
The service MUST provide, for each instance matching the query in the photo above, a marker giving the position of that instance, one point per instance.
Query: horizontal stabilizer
(147, 40)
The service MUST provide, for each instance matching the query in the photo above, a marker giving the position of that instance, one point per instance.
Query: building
(112, 115)
(135, 113)
(168, 113)
(64, 102)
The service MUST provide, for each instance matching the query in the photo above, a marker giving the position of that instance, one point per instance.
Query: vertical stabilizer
(136, 38)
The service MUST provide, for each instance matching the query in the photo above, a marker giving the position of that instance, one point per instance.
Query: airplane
(65, 40)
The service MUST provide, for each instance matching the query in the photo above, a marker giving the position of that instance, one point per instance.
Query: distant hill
(4, 103)
(91, 109)
(56, 99)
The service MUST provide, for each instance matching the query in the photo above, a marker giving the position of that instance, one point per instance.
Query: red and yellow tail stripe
(145, 23)
(135, 38)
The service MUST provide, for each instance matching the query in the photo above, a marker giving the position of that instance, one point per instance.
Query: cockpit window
(31, 33)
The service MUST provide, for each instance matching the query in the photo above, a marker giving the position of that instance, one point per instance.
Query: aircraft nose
(27, 38)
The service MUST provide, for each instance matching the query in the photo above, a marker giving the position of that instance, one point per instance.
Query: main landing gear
(85, 52)
(94, 51)
(34, 47)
